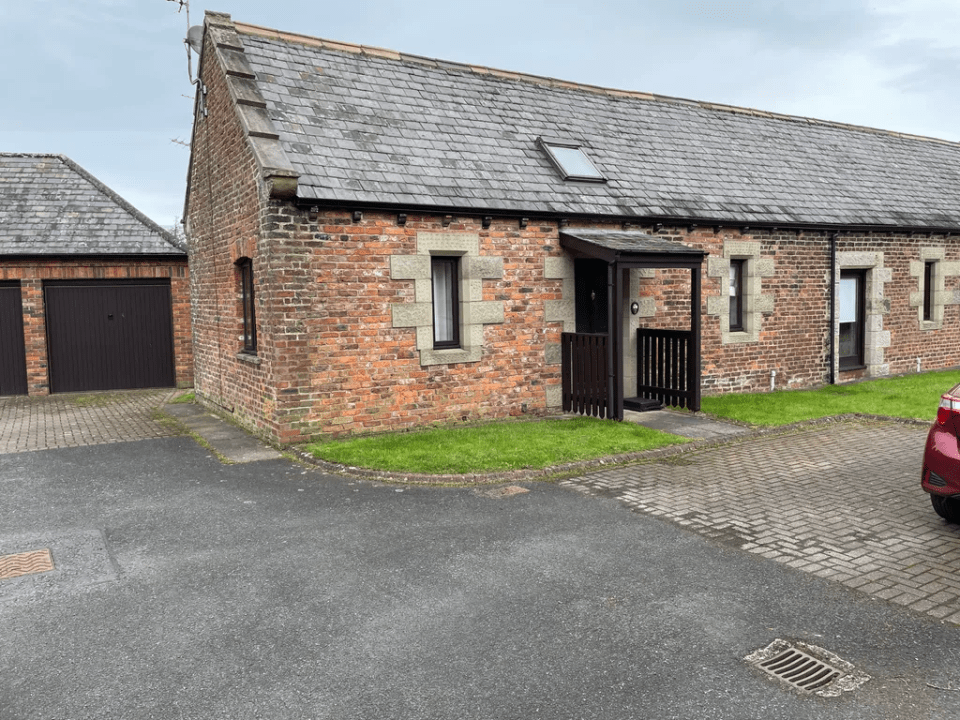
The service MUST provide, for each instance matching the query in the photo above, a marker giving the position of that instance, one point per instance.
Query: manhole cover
(807, 668)
(503, 492)
(25, 563)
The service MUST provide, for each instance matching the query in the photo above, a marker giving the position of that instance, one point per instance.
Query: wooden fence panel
(584, 358)
(663, 366)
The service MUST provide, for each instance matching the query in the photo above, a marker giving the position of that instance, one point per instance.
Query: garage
(94, 295)
(109, 335)
(13, 366)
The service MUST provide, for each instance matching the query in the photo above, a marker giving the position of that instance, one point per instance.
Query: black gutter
(513, 213)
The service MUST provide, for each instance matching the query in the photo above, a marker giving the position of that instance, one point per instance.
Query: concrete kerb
(565, 471)
(221, 435)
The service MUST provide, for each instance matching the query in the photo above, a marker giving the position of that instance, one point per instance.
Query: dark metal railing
(664, 368)
(585, 368)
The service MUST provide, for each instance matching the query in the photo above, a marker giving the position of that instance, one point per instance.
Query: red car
(941, 458)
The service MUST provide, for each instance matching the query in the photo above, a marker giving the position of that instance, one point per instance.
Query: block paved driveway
(841, 501)
(80, 419)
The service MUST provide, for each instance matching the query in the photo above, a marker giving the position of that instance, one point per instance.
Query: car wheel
(946, 508)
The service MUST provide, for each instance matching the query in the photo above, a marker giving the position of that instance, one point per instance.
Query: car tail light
(949, 409)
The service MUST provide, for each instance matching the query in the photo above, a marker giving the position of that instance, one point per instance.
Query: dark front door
(109, 335)
(13, 362)
(590, 281)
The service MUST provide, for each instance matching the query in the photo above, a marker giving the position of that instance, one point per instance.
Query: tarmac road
(186, 588)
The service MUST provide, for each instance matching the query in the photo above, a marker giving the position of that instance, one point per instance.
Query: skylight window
(572, 162)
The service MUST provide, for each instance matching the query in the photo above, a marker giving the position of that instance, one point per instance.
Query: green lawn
(494, 447)
(515, 445)
(912, 396)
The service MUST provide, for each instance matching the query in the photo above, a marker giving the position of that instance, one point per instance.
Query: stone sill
(249, 358)
(851, 368)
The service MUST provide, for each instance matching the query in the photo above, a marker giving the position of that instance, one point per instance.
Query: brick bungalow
(93, 294)
(381, 241)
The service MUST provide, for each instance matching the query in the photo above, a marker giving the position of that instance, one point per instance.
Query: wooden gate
(13, 362)
(664, 368)
(585, 368)
(109, 335)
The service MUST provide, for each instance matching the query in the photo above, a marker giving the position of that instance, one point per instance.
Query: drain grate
(807, 668)
(25, 563)
(802, 671)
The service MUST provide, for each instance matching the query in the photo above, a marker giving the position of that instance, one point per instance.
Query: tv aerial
(194, 39)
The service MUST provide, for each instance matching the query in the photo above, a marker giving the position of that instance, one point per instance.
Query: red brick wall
(936, 349)
(223, 226)
(332, 362)
(332, 351)
(32, 274)
(793, 341)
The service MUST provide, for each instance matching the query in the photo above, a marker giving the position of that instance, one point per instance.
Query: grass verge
(910, 396)
(496, 447)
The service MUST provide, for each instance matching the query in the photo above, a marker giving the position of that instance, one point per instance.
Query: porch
(667, 361)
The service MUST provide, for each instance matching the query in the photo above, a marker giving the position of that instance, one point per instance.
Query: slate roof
(364, 125)
(49, 205)
(627, 242)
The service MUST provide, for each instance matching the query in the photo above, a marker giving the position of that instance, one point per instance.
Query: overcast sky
(105, 81)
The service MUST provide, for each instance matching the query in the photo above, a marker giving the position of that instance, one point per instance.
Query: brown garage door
(13, 364)
(109, 335)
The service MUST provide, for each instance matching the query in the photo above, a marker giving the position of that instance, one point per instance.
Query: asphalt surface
(188, 588)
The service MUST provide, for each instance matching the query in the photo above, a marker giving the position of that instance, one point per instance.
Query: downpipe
(833, 308)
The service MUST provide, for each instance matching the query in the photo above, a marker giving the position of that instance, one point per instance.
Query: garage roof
(49, 205)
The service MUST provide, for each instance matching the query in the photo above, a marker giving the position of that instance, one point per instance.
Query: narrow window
(446, 301)
(736, 295)
(852, 284)
(245, 266)
(928, 279)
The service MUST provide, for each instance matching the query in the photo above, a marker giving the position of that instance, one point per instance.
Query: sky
(106, 82)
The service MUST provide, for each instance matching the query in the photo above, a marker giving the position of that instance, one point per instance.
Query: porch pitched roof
(630, 247)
